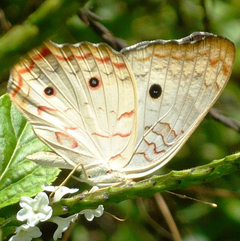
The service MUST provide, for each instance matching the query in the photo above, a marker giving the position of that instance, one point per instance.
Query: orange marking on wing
(154, 147)
(97, 134)
(126, 114)
(70, 128)
(163, 135)
(225, 70)
(18, 87)
(119, 65)
(190, 57)
(164, 141)
(65, 58)
(43, 53)
(172, 131)
(145, 59)
(177, 57)
(66, 140)
(145, 155)
(161, 56)
(26, 69)
(213, 61)
(85, 103)
(116, 156)
(42, 108)
(68, 109)
(105, 59)
(121, 134)
(112, 111)
(88, 55)
(154, 150)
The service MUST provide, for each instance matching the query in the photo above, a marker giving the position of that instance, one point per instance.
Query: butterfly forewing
(72, 95)
(191, 73)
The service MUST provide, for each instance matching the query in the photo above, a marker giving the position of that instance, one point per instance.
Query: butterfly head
(102, 176)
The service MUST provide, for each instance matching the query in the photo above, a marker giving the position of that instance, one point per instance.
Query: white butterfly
(120, 115)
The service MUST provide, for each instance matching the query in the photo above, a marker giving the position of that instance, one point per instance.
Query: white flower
(61, 191)
(26, 233)
(63, 224)
(34, 210)
(94, 188)
(90, 214)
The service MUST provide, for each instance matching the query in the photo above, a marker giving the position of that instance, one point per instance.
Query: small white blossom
(34, 210)
(94, 188)
(90, 214)
(61, 191)
(26, 233)
(63, 224)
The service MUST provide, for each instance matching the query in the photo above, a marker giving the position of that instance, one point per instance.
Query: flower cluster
(38, 210)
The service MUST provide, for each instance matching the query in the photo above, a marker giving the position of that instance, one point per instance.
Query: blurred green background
(135, 21)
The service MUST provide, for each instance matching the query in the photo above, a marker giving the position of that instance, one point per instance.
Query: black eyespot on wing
(50, 91)
(155, 91)
(94, 82)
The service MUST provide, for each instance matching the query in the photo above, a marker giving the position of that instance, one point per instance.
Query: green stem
(147, 188)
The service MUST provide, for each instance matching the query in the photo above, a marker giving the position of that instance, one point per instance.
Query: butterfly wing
(80, 100)
(177, 81)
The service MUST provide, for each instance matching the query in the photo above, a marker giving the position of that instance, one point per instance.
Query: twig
(225, 120)
(168, 216)
(5, 25)
(147, 188)
(152, 222)
(206, 20)
(89, 19)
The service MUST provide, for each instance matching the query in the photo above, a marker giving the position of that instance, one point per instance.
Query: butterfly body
(119, 115)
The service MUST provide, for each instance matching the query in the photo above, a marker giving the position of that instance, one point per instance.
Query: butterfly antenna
(213, 205)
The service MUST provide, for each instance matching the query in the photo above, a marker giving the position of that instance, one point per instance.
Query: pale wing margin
(192, 73)
(67, 121)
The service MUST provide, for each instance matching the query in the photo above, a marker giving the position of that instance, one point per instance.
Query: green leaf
(19, 176)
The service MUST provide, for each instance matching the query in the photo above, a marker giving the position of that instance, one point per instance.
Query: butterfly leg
(66, 179)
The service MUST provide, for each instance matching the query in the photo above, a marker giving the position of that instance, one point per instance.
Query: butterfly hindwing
(177, 81)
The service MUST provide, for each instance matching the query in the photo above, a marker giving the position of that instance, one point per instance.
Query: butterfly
(119, 115)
